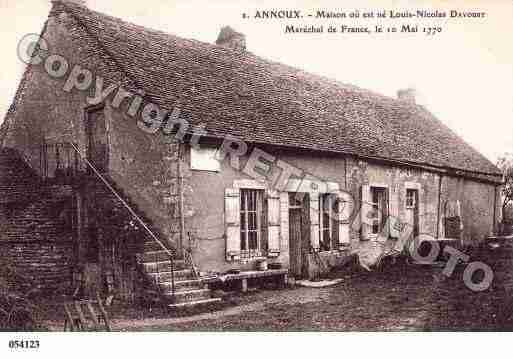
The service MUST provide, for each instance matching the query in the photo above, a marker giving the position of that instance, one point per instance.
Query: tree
(505, 163)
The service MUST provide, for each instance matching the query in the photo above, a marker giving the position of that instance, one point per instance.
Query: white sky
(464, 75)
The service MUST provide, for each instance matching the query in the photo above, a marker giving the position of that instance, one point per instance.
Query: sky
(463, 75)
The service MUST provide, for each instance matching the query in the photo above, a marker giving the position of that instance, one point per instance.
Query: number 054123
(23, 344)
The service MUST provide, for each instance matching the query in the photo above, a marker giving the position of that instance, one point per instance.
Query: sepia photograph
(255, 166)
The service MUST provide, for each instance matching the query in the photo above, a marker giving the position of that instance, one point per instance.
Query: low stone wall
(18, 182)
(35, 225)
(48, 264)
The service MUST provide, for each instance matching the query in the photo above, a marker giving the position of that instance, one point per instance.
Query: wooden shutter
(284, 221)
(366, 213)
(384, 208)
(346, 206)
(232, 223)
(314, 220)
(273, 229)
(393, 216)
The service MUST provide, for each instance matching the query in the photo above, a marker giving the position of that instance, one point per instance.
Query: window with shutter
(232, 223)
(379, 214)
(328, 222)
(344, 207)
(251, 219)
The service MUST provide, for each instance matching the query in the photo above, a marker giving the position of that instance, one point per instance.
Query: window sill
(204, 170)
(245, 254)
(335, 251)
(260, 257)
(331, 251)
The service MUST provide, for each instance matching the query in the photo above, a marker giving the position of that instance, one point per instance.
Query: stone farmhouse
(149, 160)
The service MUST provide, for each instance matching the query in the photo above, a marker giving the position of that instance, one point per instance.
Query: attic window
(204, 159)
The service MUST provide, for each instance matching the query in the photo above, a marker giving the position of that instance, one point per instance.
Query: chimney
(406, 95)
(231, 39)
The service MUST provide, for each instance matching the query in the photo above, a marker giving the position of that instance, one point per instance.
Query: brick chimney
(231, 39)
(406, 95)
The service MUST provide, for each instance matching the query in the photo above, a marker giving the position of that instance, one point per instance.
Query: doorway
(97, 140)
(412, 210)
(299, 232)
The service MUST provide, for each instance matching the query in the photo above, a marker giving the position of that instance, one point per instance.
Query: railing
(133, 213)
(189, 261)
(59, 162)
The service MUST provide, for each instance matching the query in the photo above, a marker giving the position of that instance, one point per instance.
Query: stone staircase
(155, 264)
(189, 291)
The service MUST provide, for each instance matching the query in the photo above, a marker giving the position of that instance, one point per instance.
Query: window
(328, 223)
(379, 208)
(204, 159)
(411, 198)
(252, 222)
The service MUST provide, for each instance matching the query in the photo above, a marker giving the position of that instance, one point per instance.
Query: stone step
(164, 266)
(196, 303)
(189, 295)
(152, 246)
(182, 285)
(155, 256)
(165, 276)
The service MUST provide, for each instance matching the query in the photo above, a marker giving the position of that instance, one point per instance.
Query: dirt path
(253, 302)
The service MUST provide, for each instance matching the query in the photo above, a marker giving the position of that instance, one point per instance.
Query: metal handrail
(59, 155)
(189, 260)
(132, 212)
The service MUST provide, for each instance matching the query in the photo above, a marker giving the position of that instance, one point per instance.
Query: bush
(17, 312)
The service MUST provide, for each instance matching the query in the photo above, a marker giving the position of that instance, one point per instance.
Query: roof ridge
(335, 82)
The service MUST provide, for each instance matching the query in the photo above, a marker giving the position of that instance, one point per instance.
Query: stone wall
(142, 166)
(397, 179)
(35, 225)
(206, 217)
(477, 201)
(18, 182)
(48, 264)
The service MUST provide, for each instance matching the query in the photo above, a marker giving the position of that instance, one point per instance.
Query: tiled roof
(241, 94)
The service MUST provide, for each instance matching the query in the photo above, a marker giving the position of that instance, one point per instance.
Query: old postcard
(261, 166)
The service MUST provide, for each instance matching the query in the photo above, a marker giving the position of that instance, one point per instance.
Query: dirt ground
(390, 300)
(398, 298)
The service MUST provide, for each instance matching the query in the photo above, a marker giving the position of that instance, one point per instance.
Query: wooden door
(97, 141)
(299, 232)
